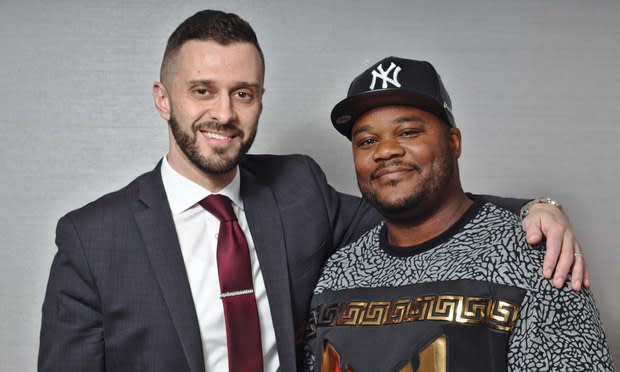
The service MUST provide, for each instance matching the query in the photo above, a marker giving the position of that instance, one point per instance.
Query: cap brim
(347, 111)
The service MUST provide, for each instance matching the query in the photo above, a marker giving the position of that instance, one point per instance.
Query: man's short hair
(223, 28)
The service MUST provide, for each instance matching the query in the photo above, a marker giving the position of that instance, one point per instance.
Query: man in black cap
(446, 282)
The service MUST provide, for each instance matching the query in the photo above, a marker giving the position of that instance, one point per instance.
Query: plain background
(534, 84)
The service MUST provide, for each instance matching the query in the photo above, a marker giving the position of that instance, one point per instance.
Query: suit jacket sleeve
(512, 204)
(71, 329)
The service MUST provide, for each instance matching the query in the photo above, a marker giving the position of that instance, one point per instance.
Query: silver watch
(525, 209)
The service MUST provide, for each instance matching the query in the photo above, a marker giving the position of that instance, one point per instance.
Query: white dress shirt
(197, 231)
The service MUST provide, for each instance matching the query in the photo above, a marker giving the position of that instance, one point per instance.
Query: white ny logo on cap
(383, 75)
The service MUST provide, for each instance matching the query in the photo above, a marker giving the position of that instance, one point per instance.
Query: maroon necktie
(237, 292)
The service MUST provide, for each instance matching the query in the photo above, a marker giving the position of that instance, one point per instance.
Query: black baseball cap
(393, 81)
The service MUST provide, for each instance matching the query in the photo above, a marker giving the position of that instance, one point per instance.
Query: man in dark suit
(134, 284)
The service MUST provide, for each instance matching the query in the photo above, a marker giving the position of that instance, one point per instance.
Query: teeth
(216, 136)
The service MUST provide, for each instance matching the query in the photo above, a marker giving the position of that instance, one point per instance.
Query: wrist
(525, 209)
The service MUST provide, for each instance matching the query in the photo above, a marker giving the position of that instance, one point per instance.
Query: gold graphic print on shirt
(431, 359)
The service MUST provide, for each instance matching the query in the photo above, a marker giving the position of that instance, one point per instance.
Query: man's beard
(220, 162)
(437, 180)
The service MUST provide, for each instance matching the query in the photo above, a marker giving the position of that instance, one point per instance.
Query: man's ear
(454, 136)
(161, 100)
(262, 93)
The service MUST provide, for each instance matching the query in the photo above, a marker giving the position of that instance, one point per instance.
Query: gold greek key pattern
(494, 313)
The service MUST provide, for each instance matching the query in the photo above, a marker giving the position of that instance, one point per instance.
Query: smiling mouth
(390, 171)
(218, 136)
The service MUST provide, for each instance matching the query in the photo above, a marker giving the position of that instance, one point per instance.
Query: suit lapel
(155, 222)
(264, 220)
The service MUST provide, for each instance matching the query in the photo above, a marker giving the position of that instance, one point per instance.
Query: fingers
(580, 275)
(550, 223)
(586, 273)
(554, 253)
(565, 262)
(577, 273)
(532, 229)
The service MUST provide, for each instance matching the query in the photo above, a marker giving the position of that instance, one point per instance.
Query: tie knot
(220, 206)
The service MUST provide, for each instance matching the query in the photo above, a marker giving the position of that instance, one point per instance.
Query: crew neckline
(413, 250)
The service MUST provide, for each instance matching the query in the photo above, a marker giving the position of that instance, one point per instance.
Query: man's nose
(388, 149)
(223, 109)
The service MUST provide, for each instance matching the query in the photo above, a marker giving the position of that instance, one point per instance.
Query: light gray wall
(534, 86)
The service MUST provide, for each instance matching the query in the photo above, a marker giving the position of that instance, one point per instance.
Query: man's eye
(201, 91)
(366, 142)
(244, 95)
(409, 132)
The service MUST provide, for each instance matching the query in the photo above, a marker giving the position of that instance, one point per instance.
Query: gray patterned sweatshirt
(471, 299)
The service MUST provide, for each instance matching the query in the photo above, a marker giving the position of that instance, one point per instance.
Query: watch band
(525, 209)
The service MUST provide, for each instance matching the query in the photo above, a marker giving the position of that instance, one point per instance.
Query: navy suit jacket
(118, 296)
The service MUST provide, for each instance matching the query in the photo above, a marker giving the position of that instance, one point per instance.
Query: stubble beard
(438, 178)
(224, 160)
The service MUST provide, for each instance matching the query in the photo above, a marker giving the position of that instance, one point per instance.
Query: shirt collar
(183, 193)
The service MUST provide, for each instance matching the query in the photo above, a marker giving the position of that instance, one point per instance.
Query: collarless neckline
(413, 250)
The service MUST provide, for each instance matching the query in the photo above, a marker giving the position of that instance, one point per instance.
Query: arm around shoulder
(545, 220)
